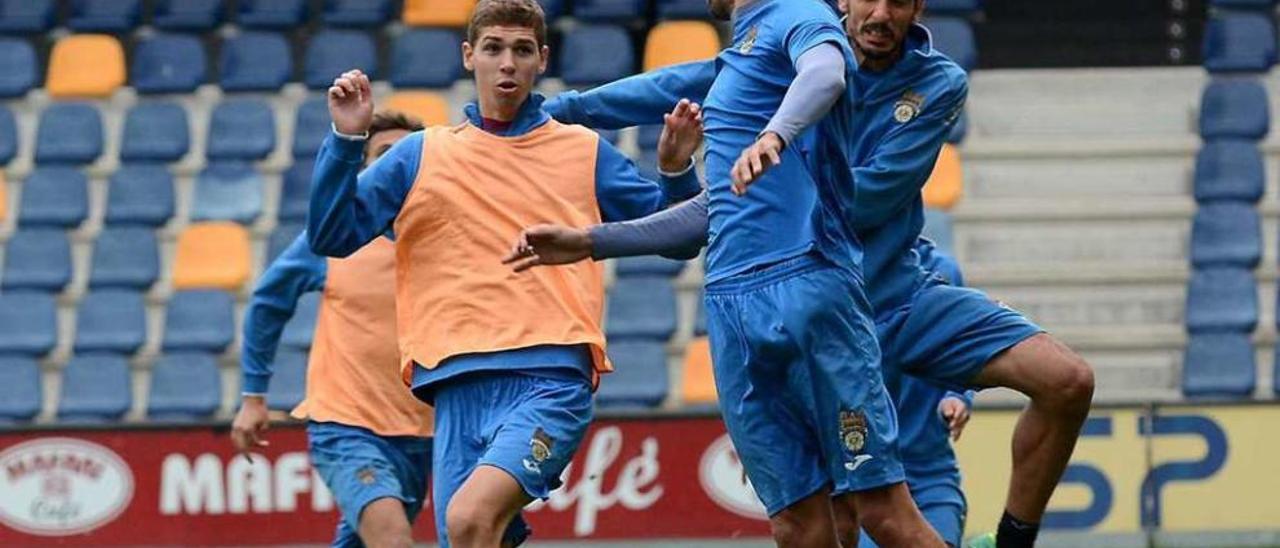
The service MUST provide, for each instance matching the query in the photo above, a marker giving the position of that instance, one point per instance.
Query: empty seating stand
(311, 127)
(111, 320)
(595, 54)
(1235, 108)
(8, 135)
(69, 133)
(155, 131)
(641, 308)
(676, 42)
(437, 13)
(300, 329)
(608, 10)
(104, 15)
(640, 375)
(54, 196)
(946, 183)
(28, 323)
(187, 15)
(430, 108)
(185, 386)
(1222, 299)
(272, 14)
(37, 259)
(1219, 364)
(85, 66)
(1229, 169)
(228, 191)
(296, 190)
(332, 52)
(241, 129)
(954, 38)
(95, 388)
(200, 320)
(1226, 233)
(255, 61)
(356, 13)
(140, 195)
(417, 61)
(212, 255)
(19, 67)
(289, 381)
(20, 389)
(168, 63)
(26, 16)
(125, 257)
(1240, 42)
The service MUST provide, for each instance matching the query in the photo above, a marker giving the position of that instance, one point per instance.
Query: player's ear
(467, 52)
(545, 55)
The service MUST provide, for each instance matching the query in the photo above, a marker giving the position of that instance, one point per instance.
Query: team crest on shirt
(908, 107)
(539, 450)
(365, 475)
(750, 41)
(853, 430)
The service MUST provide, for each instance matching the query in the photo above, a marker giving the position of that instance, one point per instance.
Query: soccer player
(509, 361)
(370, 439)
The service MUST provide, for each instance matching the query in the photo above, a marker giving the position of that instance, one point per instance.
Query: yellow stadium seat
(4, 197)
(676, 42)
(698, 385)
(212, 255)
(945, 185)
(429, 107)
(85, 66)
(438, 13)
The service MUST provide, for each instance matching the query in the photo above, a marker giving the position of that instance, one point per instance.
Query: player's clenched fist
(351, 102)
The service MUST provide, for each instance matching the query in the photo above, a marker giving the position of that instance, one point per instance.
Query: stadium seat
(111, 320)
(184, 386)
(417, 59)
(212, 255)
(649, 265)
(95, 388)
(200, 319)
(946, 183)
(155, 132)
(698, 384)
(1222, 299)
(1226, 234)
(1219, 364)
(4, 198)
(1229, 170)
(954, 38)
(595, 54)
(608, 10)
(296, 191)
(332, 52)
(610, 135)
(552, 9)
(676, 42)
(639, 377)
(70, 133)
(241, 129)
(188, 15)
(18, 67)
(125, 257)
(956, 7)
(311, 127)
(28, 323)
(8, 135)
(1239, 42)
(284, 234)
(960, 130)
(21, 390)
(37, 258)
(300, 329)
(437, 13)
(167, 63)
(700, 318)
(1234, 109)
(682, 9)
(85, 66)
(54, 196)
(641, 307)
(429, 107)
(104, 15)
(289, 381)
(255, 61)
(140, 194)
(938, 227)
(228, 191)
(356, 13)
(272, 14)
(647, 137)
(26, 16)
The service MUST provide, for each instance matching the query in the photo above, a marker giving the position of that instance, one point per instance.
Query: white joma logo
(857, 461)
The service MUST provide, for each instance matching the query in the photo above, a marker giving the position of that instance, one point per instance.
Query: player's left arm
(635, 100)
(955, 409)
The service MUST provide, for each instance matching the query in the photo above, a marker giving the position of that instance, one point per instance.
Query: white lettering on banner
(722, 477)
(260, 486)
(62, 486)
(634, 490)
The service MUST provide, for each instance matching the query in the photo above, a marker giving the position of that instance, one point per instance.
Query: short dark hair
(387, 120)
(515, 13)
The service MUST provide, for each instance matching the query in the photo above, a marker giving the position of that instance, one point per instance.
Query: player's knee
(470, 525)
(385, 526)
(1073, 392)
(847, 530)
(790, 531)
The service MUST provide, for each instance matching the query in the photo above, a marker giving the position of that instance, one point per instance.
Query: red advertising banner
(631, 479)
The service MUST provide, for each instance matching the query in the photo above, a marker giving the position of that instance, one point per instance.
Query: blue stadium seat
(611, 135)
(70, 133)
(639, 378)
(356, 13)
(167, 63)
(608, 10)
(954, 38)
(19, 67)
(1229, 170)
(37, 258)
(111, 320)
(188, 15)
(684, 9)
(300, 329)
(595, 54)
(647, 137)
(241, 129)
(255, 61)
(649, 265)
(289, 381)
(21, 391)
(332, 52)
(104, 15)
(155, 132)
(95, 388)
(552, 9)
(272, 14)
(1239, 42)
(26, 16)
(228, 191)
(937, 227)
(200, 319)
(416, 59)
(184, 386)
(28, 323)
(959, 130)
(125, 257)
(641, 307)
(957, 7)
(140, 194)
(8, 135)
(295, 193)
(647, 164)
(1234, 109)
(1219, 364)
(284, 234)
(1222, 299)
(311, 127)
(54, 196)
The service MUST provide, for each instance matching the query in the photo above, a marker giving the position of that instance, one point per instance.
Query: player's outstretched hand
(955, 413)
(250, 424)
(765, 153)
(351, 102)
(549, 245)
(681, 136)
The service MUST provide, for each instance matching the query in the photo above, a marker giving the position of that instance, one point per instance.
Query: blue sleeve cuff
(681, 187)
(254, 383)
(346, 150)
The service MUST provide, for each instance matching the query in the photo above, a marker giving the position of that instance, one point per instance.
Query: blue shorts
(943, 505)
(797, 368)
(360, 467)
(528, 426)
(947, 334)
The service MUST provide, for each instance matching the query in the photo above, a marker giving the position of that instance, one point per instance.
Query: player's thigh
(1039, 366)
(383, 523)
(456, 446)
(535, 438)
(357, 466)
(489, 495)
